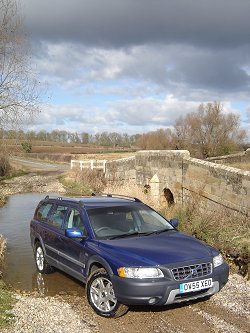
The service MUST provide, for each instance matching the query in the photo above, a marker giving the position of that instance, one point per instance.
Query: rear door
(53, 232)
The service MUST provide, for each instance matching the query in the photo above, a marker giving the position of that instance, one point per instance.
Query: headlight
(218, 260)
(140, 272)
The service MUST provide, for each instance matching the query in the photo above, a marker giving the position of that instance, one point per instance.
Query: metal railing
(91, 164)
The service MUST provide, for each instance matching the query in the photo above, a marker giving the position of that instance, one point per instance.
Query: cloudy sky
(136, 65)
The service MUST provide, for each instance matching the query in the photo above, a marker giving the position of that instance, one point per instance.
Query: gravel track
(226, 312)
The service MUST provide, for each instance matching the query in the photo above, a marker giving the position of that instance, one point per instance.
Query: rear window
(56, 218)
(43, 211)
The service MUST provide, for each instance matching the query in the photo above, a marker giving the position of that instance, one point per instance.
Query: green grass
(6, 301)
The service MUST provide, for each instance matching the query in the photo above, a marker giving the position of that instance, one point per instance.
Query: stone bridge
(173, 177)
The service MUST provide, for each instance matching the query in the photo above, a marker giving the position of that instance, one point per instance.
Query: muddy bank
(32, 182)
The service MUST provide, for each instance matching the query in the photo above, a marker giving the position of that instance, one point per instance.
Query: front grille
(192, 271)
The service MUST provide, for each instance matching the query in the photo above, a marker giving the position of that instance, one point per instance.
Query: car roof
(94, 201)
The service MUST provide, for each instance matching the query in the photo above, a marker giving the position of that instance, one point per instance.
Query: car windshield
(122, 221)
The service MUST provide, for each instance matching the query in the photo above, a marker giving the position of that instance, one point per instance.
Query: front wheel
(101, 296)
(41, 262)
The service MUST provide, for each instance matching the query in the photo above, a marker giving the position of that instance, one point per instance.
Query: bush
(83, 182)
(5, 167)
(27, 147)
(2, 249)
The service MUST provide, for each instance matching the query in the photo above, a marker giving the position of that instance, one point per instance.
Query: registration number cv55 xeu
(195, 285)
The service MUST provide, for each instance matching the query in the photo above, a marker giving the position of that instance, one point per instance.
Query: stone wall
(173, 176)
(121, 171)
(233, 158)
(217, 185)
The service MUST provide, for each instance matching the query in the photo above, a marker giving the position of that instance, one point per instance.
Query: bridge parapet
(173, 177)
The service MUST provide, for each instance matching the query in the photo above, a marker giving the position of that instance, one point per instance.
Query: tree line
(111, 139)
(207, 132)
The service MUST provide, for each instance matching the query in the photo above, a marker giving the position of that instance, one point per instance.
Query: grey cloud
(135, 22)
(221, 71)
(178, 69)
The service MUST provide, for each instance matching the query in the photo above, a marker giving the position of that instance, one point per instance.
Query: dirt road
(226, 312)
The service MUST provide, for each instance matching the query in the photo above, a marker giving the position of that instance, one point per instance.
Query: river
(19, 268)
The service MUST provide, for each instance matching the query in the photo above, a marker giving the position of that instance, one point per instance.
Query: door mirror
(174, 222)
(73, 233)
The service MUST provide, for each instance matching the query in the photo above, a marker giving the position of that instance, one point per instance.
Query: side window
(57, 217)
(149, 218)
(43, 211)
(75, 221)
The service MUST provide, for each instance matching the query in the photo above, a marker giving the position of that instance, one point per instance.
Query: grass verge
(6, 300)
(13, 173)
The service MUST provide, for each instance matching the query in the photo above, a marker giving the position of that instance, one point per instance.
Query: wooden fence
(91, 164)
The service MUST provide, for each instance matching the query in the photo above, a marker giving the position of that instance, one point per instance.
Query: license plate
(195, 285)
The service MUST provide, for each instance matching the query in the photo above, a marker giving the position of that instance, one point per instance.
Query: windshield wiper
(157, 231)
(136, 233)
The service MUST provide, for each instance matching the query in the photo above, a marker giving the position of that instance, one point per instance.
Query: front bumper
(164, 291)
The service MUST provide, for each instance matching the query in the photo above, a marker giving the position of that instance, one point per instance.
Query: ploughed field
(50, 147)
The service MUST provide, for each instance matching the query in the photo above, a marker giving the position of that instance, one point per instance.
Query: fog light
(152, 300)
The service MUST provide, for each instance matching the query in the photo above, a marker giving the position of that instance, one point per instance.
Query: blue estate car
(124, 251)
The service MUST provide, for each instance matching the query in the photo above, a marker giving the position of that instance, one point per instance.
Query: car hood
(166, 248)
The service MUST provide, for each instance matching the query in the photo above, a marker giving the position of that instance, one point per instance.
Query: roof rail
(114, 195)
(53, 197)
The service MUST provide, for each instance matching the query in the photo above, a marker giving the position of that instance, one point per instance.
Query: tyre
(101, 296)
(41, 262)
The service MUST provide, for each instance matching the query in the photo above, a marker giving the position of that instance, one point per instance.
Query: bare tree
(18, 86)
(209, 131)
(159, 139)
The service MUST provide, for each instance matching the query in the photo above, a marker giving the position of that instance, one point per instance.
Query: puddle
(19, 269)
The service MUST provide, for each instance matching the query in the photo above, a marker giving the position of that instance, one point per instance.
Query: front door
(72, 252)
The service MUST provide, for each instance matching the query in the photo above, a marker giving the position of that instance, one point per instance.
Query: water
(19, 269)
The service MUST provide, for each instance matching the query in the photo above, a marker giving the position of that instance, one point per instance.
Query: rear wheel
(41, 263)
(101, 296)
